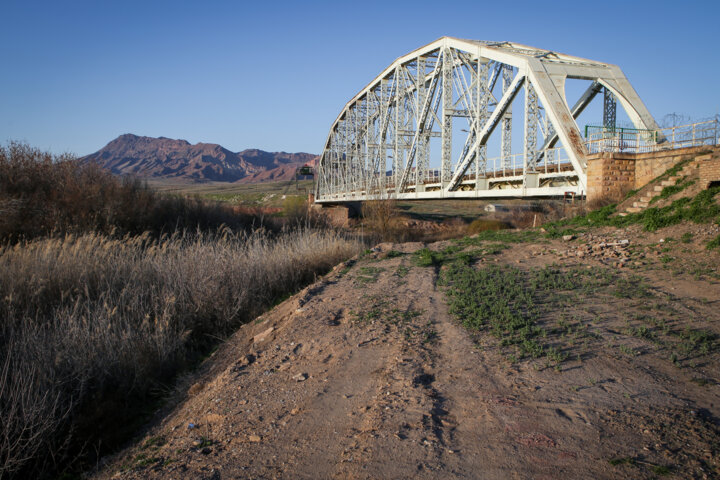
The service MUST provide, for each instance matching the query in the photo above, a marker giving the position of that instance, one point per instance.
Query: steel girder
(380, 144)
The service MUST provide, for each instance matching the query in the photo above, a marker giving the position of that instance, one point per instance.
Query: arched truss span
(380, 144)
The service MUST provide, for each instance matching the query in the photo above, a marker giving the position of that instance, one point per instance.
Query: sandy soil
(365, 374)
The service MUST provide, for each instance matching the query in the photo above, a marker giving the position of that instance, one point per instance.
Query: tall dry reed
(91, 325)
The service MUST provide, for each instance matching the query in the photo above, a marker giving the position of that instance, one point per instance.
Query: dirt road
(365, 374)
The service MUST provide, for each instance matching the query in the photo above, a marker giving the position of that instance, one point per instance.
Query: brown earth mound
(365, 374)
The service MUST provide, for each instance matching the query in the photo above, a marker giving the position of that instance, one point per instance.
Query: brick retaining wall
(610, 176)
(709, 168)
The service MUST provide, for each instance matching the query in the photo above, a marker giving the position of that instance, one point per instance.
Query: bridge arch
(381, 143)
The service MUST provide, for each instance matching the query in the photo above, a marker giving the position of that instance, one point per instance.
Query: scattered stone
(567, 238)
(294, 411)
(197, 443)
(191, 426)
(261, 337)
(214, 418)
(255, 438)
(300, 377)
(196, 388)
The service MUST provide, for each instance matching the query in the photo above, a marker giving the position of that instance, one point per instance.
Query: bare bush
(41, 193)
(484, 224)
(381, 216)
(92, 324)
(536, 214)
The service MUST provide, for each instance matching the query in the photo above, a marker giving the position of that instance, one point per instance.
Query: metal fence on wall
(631, 140)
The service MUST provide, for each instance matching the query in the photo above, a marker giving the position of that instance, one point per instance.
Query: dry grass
(92, 325)
(539, 213)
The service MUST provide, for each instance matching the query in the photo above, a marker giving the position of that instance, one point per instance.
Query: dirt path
(366, 375)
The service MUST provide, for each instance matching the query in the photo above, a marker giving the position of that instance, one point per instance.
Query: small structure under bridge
(386, 141)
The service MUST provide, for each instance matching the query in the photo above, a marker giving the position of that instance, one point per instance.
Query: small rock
(255, 438)
(206, 450)
(567, 238)
(197, 443)
(214, 418)
(247, 359)
(294, 411)
(191, 426)
(300, 377)
(195, 389)
(261, 337)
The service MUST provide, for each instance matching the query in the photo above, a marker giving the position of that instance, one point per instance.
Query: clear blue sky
(274, 75)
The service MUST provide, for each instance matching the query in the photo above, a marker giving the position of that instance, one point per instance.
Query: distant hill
(166, 158)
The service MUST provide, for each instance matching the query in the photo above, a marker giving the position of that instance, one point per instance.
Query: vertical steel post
(396, 129)
(531, 111)
(480, 116)
(506, 126)
(421, 153)
(446, 135)
(609, 110)
(384, 107)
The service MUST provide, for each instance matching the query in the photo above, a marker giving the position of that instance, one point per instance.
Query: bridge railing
(554, 160)
(642, 141)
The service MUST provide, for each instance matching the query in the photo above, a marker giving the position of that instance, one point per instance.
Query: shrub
(381, 216)
(43, 194)
(483, 225)
(295, 207)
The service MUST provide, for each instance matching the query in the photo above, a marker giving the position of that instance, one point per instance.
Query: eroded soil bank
(366, 373)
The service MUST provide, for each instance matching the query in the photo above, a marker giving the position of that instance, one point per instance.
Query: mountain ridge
(168, 158)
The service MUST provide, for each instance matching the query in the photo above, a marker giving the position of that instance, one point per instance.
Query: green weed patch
(507, 302)
(703, 208)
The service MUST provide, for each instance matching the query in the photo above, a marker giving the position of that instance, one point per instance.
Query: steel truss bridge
(380, 145)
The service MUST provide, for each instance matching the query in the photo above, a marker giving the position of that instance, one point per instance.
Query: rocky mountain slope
(178, 159)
